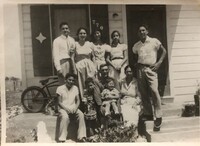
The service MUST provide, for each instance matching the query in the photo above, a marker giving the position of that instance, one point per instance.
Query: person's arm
(77, 103)
(117, 86)
(125, 52)
(125, 55)
(156, 66)
(108, 59)
(56, 56)
(72, 55)
(138, 95)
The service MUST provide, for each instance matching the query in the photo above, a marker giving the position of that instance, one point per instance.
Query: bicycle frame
(49, 85)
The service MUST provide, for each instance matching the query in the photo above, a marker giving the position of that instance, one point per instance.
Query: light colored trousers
(64, 122)
(148, 87)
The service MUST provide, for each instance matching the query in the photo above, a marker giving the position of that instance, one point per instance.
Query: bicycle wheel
(34, 99)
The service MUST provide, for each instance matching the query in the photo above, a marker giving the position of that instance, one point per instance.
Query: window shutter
(41, 42)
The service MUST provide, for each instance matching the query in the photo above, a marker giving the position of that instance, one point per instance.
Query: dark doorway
(155, 17)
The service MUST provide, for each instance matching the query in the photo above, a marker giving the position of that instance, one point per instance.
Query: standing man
(63, 52)
(147, 66)
(68, 101)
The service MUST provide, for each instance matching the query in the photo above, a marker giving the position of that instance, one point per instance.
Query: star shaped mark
(41, 38)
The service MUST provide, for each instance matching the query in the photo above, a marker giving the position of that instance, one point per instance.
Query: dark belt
(64, 60)
(142, 65)
(117, 58)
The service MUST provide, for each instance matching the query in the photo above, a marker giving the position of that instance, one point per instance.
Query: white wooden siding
(184, 45)
(115, 23)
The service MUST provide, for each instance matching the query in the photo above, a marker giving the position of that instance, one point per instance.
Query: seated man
(104, 75)
(68, 101)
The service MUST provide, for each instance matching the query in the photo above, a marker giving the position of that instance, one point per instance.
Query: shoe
(82, 139)
(157, 124)
(61, 141)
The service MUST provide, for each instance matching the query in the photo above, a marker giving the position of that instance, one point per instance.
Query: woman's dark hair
(144, 25)
(127, 68)
(71, 75)
(89, 80)
(102, 65)
(80, 28)
(63, 23)
(93, 33)
(112, 35)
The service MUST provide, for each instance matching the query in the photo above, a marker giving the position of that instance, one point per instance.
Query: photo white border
(2, 59)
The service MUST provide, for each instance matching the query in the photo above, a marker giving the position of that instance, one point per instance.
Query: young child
(93, 102)
(110, 95)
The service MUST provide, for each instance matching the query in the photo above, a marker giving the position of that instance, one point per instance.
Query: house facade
(176, 26)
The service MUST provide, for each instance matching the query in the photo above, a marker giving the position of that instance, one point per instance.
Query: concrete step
(176, 135)
(175, 121)
(175, 128)
(171, 109)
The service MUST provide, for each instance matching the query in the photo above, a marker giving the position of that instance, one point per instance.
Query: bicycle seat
(45, 81)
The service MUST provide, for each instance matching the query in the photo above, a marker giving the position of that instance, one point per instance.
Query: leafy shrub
(115, 134)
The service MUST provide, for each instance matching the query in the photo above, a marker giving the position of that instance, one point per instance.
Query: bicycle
(36, 99)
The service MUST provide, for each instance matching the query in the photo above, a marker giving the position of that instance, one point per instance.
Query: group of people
(98, 75)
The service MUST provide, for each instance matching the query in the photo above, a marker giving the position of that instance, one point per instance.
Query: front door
(155, 18)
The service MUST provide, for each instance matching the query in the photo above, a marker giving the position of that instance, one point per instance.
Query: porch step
(167, 99)
(175, 129)
(171, 109)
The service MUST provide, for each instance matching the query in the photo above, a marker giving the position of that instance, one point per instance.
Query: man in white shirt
(68, 101)
(63, 51)
(147, 64)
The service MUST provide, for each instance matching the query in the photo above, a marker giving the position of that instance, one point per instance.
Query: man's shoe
(82, 139)
(157, 124)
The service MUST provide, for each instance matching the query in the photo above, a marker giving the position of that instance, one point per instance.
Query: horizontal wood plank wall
(115, 22)
(184, 43)
(27, 39)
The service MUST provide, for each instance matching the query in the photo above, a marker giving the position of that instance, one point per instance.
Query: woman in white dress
(83, 59)
(99, 49)
(118, 57)
(131, 101)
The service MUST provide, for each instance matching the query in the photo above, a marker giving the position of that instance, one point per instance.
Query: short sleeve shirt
(147, 51)
(99, 51)
(85, 49)
(118, 51)
(68, 95)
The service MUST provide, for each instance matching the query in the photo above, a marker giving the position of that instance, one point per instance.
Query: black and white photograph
(100, 72)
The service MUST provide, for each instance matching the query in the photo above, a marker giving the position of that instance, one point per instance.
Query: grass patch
(13, 98)
(15, 132)
(18, 135)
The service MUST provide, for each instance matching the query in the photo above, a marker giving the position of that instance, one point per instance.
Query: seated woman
(130, 102)
(110, 95)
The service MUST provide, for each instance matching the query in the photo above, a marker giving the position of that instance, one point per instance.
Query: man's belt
(64, 60)
(142, 65)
